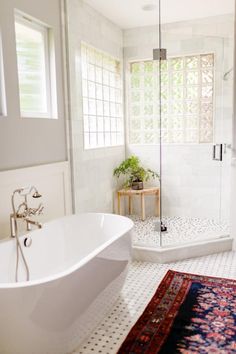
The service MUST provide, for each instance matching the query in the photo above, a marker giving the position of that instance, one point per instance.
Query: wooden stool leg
(158, 204)
(119, 208)
(130, 205)
(142, 206)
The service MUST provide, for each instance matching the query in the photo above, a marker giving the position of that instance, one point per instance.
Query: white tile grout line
(141, 283)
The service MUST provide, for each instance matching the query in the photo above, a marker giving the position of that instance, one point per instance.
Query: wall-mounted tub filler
(24, 212)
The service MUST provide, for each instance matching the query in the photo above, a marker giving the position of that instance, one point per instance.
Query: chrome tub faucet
(23, 211)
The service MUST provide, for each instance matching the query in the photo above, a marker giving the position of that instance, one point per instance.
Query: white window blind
(33, 60)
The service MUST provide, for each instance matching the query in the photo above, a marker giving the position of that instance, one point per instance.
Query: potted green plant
(135, 174)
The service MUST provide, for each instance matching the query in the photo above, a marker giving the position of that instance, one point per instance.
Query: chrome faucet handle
(40, 211)
(35, 211)
(30, 212)
(22, 210)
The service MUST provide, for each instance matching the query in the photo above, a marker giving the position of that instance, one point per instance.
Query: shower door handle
(218, 152)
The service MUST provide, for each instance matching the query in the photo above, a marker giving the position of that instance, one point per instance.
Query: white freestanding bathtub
(77, 267)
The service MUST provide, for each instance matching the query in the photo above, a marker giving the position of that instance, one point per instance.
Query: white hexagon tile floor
(180, 230)
(141, 283)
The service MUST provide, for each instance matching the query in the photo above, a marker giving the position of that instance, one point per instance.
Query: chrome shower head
(25, 191)
(36, 194)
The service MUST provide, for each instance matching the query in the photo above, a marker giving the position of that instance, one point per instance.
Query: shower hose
(19, 249)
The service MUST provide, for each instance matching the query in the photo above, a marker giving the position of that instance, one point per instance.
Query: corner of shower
(194, 186)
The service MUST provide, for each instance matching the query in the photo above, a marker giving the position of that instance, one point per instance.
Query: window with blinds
(33, 61)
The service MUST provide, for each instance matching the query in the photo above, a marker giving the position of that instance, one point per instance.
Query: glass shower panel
(143, 123)
(196, 114)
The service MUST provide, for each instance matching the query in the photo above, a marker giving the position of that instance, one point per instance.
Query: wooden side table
(155, 191)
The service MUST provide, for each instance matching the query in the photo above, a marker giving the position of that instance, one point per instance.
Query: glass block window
(187, 91)
(34, 67)
(102, 99)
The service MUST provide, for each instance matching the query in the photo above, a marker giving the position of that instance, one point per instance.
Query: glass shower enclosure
(180, 117)
(196, 119)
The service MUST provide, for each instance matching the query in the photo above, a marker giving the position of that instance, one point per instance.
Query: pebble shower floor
(180, 230)
(141, 283)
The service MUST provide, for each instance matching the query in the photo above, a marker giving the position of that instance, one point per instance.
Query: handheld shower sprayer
(25, 191)
(36, 195)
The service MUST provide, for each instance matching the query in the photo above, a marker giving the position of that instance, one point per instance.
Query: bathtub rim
(76, 266)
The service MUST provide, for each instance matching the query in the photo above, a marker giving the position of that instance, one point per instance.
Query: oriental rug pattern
(189, 314)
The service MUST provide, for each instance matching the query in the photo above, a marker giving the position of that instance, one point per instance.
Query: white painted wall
(94, 185)
(28, 142)
(193, 184)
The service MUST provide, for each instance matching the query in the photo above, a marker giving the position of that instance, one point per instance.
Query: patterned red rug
(189, 314)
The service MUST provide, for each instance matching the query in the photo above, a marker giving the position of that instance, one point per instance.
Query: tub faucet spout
(29, 222)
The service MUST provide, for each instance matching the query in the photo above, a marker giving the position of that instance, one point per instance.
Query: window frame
(129, 62)
(3, 109)
(34, 24)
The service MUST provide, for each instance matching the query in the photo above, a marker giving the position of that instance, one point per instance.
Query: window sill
(103, 147)
(173, 144)
(38, 117)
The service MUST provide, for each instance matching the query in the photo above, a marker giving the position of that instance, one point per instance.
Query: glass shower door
(195, 134)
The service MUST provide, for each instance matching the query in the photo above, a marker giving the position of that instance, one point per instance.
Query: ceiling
(129, 13)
